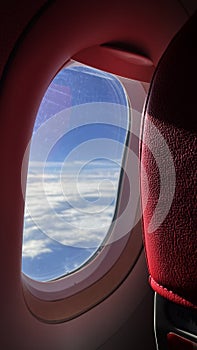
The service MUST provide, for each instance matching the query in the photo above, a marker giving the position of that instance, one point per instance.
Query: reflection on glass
(74, 169)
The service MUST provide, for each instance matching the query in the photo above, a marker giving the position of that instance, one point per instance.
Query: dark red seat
(168, 186)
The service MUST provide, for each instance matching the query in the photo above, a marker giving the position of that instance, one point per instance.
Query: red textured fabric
(169, 158)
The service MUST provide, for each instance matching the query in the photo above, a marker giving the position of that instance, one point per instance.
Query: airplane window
(74, 171)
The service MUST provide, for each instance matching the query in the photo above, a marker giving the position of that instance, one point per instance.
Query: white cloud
(33, 248)
(75, 219)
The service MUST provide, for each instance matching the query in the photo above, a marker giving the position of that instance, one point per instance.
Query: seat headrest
(168, 171)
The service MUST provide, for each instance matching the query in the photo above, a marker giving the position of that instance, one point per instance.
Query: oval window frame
(70, 296)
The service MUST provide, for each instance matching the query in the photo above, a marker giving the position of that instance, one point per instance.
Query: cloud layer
(81, 219)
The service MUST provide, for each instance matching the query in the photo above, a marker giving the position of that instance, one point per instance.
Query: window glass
(74, 171)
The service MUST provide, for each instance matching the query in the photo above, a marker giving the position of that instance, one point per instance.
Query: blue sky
(68, 214)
